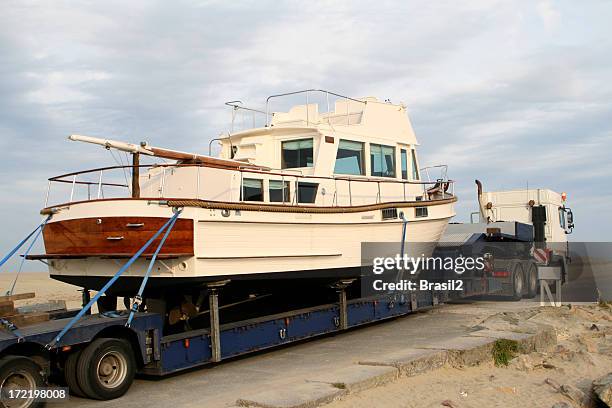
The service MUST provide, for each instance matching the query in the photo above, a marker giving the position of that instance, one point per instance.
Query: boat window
(382, 160)
(349, 159)
(404, 155)
(307, 192)
(297, 153)
(279, 191)
(415, 168)
(420, 212)
(252, 190)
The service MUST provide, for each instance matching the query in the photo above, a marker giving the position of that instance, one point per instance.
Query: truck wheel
(70, 374)
(106, 368)
(20, 373)
(532, 281)
(518, 282)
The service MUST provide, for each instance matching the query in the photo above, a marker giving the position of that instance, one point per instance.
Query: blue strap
(109, 284)
(25, 254)
(400, 274)
(12, 328)
(138, 297)
(404, 224)
(23, 241)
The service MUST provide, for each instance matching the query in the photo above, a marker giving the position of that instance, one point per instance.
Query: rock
(449, 404)
(522, 363)
(589, 344)
(603, 389)
(561, 404)
(556, 386)
(575, 395)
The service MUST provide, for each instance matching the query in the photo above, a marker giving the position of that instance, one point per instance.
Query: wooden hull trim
(243, 206)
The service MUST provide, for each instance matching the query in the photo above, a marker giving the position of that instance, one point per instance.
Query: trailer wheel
(70, 374)
(532, 281)
(518, 282)
(17, 372)
(106, 368)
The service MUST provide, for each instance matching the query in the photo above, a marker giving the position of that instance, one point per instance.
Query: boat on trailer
(285, 204)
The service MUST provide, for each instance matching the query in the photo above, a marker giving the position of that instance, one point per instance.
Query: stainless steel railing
(101, 180)
(307, 93)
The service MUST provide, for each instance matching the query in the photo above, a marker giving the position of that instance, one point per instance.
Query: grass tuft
(503, 351)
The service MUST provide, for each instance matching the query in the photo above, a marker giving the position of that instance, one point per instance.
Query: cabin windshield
(382, 160)
(349, 158)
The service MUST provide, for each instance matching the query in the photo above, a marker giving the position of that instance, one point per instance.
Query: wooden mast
(135, 175)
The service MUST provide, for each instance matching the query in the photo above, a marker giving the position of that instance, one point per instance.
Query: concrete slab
(465, 351)
(293, 395)
(528, 342)
(220, 385)
(357, 377)
(410, 362)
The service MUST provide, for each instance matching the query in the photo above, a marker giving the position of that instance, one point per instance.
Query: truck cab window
(297, 153)
(562, 221)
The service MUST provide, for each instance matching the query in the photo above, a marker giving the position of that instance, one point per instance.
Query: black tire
(518, 282)
(106, 368)
(70, 374)
(22, 373)
(532, 281)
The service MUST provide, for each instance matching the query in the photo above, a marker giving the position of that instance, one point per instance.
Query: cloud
(549, 14)
(499, 90)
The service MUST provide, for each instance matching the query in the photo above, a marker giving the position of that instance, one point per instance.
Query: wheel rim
(518, 282)
(112, 369)
(18, 380)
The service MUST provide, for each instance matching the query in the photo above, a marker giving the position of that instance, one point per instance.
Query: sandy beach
(46, 289)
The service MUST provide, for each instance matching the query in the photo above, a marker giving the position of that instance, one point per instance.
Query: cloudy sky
(510, 92)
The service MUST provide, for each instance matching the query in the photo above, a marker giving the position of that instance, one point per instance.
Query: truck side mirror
(570, 220)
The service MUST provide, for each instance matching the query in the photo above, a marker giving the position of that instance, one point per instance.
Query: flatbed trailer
(99, 356)
(507, 247)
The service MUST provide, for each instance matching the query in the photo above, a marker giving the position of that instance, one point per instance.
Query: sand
(45, 288)
(583, 354)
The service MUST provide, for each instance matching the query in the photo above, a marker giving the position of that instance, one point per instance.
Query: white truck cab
(543, 208)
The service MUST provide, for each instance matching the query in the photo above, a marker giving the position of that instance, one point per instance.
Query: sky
(513, 93)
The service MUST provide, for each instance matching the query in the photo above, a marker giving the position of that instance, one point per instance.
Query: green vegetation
(503, 351)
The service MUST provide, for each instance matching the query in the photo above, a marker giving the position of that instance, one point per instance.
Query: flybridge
(346, 109)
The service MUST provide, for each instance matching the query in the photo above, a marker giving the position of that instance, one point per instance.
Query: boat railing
(437, 175)
(114, 182)
(250, 114)
(439, 171)
(307, 94)
(242, 114)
